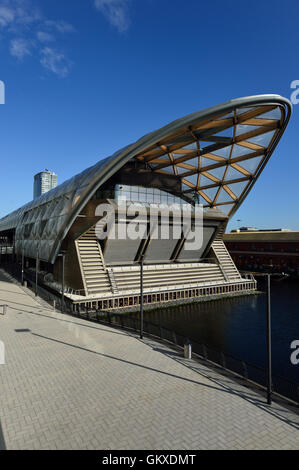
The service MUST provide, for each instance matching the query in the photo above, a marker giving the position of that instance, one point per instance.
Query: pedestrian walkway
(72, 384)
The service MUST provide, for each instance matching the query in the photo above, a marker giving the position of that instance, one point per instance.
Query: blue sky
(86, 77)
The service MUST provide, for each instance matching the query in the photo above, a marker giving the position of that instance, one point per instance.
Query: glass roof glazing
(225, 156)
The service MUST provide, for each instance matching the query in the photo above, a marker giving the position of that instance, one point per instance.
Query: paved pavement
(71, 384)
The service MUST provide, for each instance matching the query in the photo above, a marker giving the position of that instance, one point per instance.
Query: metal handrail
(250, 372)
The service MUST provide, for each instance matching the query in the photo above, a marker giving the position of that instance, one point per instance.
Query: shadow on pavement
(2, 441)
(216, 382)
(234, 386)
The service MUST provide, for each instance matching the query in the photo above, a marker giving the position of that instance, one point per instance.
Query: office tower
(43, 182)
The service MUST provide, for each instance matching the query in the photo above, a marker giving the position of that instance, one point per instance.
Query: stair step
(92, 264)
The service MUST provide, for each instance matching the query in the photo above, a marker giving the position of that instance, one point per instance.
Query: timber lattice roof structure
(217, 154)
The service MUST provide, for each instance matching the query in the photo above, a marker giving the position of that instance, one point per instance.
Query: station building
(212, 157)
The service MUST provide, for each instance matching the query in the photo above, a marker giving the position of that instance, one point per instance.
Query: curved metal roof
(218, 153)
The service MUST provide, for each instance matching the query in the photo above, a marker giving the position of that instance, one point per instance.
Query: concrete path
(71, 384)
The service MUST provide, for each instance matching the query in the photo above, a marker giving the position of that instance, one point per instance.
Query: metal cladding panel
(64, 203)
(195, 255)
(121, 251)
(160, 251)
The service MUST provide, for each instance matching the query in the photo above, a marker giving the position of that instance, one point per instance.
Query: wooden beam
(209, 127)
(240, 169)
(251, 146)
(257, 111)
(216, 185)
(188, 183)
(211, 177)
(229, 192)
(260, 122)
(256, 132)
(214, 157)
(205, 197)
(185, 165)
(214, 123)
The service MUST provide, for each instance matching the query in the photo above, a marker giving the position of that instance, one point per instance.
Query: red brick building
(276, 251)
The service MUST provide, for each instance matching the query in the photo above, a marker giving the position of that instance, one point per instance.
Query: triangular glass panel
(273, 114)
(224, 152)
(226, 208)
(204, 181)
(203, 144)
(185, 187)
(218, 172)
(240, 111)
(178, 155)
(245, 128)
(206, 162)
(211, 192)
(223, 196)
(225, 133)
(263, 139)
(233, 174)
(163, 157)
(181, 170)
(193, 162)
(226, 116)
(251, 164)
(192, 179)
(191, 146)
(237, 188)
(239, 151)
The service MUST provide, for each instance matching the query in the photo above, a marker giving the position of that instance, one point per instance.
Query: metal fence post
(245, 370)
(23, 263)
(269, 345)
(174, 337)
(62, 293)
(36, 271)
(141, 298)
(223, 360)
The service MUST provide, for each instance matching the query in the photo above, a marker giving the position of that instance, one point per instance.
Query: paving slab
(71, 384)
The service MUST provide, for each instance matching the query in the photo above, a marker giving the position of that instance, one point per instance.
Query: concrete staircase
(167, 276)
(226, 263)
(98, 279)
(93, 270)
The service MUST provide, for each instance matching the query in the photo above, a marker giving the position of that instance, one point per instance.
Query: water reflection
(238, 325)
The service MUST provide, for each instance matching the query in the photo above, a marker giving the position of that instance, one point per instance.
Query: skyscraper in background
(43, 182)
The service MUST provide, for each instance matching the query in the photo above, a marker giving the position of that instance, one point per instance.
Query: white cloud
(17, 13)
(42, 36)
(60, 26)
(20, 47)
(7, 16)
(55, 61)
(116, 12)
(28, 31)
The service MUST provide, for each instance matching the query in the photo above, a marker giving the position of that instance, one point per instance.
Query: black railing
(249, 372)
